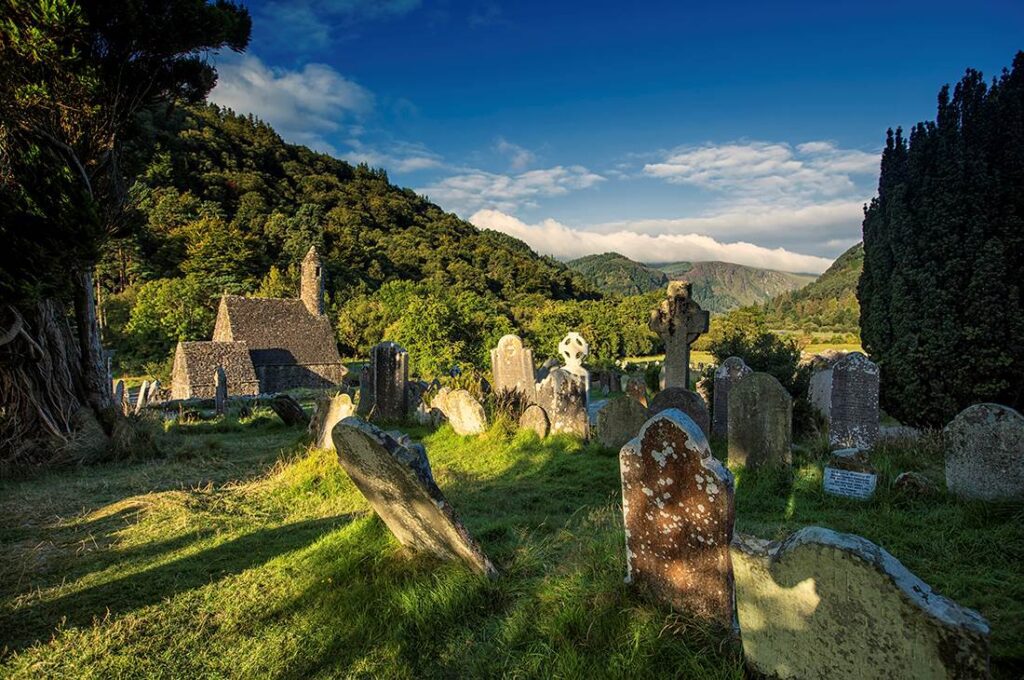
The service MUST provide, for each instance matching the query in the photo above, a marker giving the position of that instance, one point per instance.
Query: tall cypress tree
(941, 294)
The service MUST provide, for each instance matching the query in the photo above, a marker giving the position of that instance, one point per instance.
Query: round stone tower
(311, 287)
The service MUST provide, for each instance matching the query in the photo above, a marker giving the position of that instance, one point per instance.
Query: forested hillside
(614, 274)
(829, 303)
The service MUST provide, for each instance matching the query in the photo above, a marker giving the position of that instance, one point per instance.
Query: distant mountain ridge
(829, 302)
(717, 286)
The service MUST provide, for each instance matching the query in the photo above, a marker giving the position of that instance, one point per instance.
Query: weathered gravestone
(512, 367)
(574, 349)
(289, 410)
(154, 395)
(563, 396)
(679, 321)
(618, 421)
(119, 398)
(414, 391)
(686, 401)
(390, 373)
(465, 414)
(677, 506)
(636, 388)
(985, 453)
(397, 482)
(140, 399)
(535, 418)
(365, 404)
(727, 375)
(330, 410)
(853, 406)
(760, 422)
(819, 392)
(827, 605)
(220, 391)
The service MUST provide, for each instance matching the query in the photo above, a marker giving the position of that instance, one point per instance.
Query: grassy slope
(247, 556)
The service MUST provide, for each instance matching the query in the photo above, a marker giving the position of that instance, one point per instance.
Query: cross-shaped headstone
(679, 321)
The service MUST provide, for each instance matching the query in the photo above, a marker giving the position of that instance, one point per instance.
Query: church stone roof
(277, 332)
(195, 364)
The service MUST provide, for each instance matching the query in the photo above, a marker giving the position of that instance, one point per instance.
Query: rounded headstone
(686, 401)
(535, 418)
(465, 414)
(985, 453)
(618, 421)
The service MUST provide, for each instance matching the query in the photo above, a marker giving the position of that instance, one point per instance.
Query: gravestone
(390, 373)
(330, 410)
(220, 391)
(686, 401)
(397, 482)
(636, 388)
(563, 396)
(819, 392)
(618, 421)
(760, 422)
(414, 391)
(289, 410)
(512, 367)
(827, 605)
(535, 418)
(153, 395)
(727, 375)
(119, 399)
(574, 349)
(365, 405)
(140, 400)
(464, 413)
(985, 453)
(677, 507)
(679, 321)
(853, 406)
(849, 473)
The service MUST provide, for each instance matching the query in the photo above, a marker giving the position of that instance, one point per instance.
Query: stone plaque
(848, 483)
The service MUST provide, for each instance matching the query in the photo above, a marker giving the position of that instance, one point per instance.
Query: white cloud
(479, 189)
(302, 105)
(519, 157)
(767, 171)
(399, 156)
(554, 238)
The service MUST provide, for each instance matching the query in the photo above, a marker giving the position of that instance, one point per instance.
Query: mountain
(830, 302)
(614, 274)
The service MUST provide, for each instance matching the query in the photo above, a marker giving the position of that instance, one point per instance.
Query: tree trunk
(95, 380)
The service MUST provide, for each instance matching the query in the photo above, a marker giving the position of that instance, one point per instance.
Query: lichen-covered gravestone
(512, 367)
(330, 410)
(760, 422)
(677, 507)
(535, 418)
(397, 482)
(464, 413)
(727, 375)
(618, 421)
(827, 605)
(563, 396)
(390, 374)
(985, 453)
(853, 406)
(220, 391)
(687, 401)
(679, 320)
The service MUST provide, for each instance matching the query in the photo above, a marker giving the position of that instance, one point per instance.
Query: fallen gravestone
(464, 413)
(397, 482)
(512, 367)
(849, 473)
(827, 605)
(727, 376)
(686, 401)
(760, 422)
(289, 410)
(563, 396)
(677, 507)
(853, 405)
(679, 321)
(985, 453)
(535, 418)
(618, 421)
(390, 373)
(330, 410)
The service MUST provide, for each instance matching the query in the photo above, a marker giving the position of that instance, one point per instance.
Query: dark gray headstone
(687, 401)
(365, 405)
(760, 422)
(618, 421)
(853, 408)
(727, 375)
(390, 374)
(220, 391)
(289, 410)
(985, 453)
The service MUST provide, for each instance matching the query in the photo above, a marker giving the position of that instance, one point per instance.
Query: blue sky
(741, 131)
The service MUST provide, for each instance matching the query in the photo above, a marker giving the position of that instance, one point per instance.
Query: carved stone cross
(679, 321)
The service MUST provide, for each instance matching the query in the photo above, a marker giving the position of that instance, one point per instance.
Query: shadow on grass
(23, 627)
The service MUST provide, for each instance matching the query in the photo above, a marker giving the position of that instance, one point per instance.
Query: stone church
(290, 343)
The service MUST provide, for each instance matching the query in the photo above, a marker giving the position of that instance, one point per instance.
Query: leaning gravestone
(563, 396)
(289, 410)
(220, 391)
(853, 406)
(827, 605)
(760, 422)
(618, 421)
(140, 399)
(686, 401)
(464, 413)
(574, 349)
(535, 418)
(677, 507)
(390, 373)
(679, 320)
(985, 453)
(512, 367)
(727, 375)
(329, 412)
(397, 482)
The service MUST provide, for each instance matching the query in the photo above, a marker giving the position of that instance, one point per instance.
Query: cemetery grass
(239, 553)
